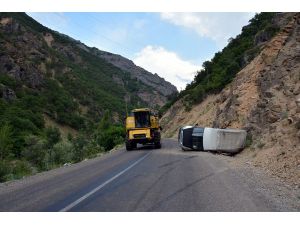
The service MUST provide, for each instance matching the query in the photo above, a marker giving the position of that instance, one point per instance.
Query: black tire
(128, 146)
(134, 145)
(157, 145)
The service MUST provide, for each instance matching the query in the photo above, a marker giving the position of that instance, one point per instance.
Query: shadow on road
(144, 147)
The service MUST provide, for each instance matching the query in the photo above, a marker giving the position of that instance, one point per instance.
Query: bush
(53, 136)
(79, 152)
(92, 149)
(62, 152)
(110, 137)
(21, 168)
(36, 152)
(5, 170)
(5, 141)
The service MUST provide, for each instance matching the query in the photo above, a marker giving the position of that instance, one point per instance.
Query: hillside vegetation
(262, 98)
(222, 68)
(59, 101)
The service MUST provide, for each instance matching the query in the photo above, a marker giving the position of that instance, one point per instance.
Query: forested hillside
(59, 101)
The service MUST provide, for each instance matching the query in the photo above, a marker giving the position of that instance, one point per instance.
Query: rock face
(33, 52)
(16, 54)
(263, 99)
(153, 80)
(7, 94)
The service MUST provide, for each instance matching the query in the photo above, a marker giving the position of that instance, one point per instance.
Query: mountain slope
(263, 98)
(48, 81)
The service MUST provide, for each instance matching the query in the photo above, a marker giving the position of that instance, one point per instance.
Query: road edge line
(73, 204)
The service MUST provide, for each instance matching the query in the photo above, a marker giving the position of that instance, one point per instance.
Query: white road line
(70, 206)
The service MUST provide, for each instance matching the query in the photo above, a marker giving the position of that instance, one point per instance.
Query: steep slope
(49, 80)
(161, 86)
(56, 56)
(263, 98)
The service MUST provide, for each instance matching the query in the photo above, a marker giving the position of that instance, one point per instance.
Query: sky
(173, 45)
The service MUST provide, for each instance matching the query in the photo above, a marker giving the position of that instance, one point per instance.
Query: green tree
(36, 152)
(5, 141)
(105, 122)
(5, 170)
(62, 152)
(53, 136)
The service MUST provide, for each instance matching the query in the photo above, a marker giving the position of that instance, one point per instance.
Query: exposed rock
(297, 125)
(8, 94)
(269, 94)
(272, 117)
(153, 80)
(264, 99)
(262, 37)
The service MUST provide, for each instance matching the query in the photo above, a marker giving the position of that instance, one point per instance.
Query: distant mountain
(62, 101)
(42, 61)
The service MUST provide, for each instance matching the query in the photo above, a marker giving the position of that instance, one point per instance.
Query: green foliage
(5, 170)
(79, 143)
(105, 121)
(52, 136)
(36, 152)
(111, 137)
(221, 70)
(249, 140)
(20, 168)
(72, 79)
(107, 134)
(5, 141)
(62, 152)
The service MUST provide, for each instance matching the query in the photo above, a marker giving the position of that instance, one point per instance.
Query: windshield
(142, 119)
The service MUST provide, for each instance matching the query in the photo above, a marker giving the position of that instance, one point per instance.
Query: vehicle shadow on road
(144, 147)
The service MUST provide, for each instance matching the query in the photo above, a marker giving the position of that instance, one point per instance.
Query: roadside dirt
(264, 99)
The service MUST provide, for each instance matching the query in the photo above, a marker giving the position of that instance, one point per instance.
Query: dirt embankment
(264, 99)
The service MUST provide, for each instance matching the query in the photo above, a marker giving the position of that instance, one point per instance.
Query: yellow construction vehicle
(142, 127)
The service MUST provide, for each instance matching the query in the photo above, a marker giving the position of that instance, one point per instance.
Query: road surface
(166, 179)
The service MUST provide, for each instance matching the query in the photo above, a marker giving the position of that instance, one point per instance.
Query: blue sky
(173, 45)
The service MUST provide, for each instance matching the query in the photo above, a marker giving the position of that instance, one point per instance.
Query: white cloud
(216, 26)
(167, 64)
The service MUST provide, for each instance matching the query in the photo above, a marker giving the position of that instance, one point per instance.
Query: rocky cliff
(264, 99)
(31, 52)
(153, 80)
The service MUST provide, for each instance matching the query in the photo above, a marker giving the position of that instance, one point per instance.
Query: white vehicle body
(212, 139)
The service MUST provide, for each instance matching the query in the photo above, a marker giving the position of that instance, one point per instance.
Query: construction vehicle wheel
(134, 145)
(157, 145)
(128, 146)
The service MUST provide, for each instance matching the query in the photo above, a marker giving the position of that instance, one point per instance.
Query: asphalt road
(146, 179)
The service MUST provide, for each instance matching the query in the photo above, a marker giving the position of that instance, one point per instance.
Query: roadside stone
(276, 108)
(298, 102)
(297, 125)
(261, 105)
(272, 117)
(269, 94)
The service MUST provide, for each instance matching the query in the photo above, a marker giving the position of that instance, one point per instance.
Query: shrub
(110, 137)
(92, 149)
(79, 152)
(52, 135)
(249, 140)
(21, 168)
(62, 152)
(5, 170)
(5, 141)
(36, 152)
